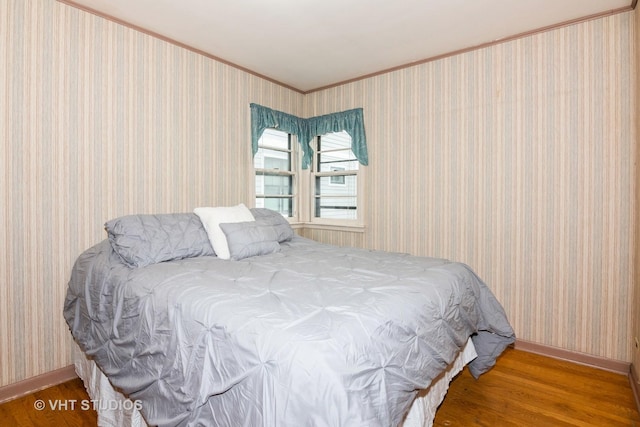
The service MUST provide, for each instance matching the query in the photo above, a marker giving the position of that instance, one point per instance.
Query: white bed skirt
(116, 410)
(423, 409)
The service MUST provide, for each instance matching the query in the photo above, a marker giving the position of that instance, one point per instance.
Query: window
(275, 175)
(317, 179)
(335, 176)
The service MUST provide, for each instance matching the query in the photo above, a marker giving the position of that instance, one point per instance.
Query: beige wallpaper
(97, 121)
(636, 299)
(516, 159)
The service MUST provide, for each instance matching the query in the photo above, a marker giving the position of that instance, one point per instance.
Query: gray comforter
(313, 335)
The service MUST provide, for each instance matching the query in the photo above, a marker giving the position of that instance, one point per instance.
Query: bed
(272, 329)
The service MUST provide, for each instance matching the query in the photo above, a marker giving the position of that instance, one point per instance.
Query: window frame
(313, 172)
(292, 172)
(303, 187)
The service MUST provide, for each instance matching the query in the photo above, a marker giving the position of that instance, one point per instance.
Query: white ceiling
(309, 44)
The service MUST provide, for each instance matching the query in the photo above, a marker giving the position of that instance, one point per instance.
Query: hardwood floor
(526, 389)
(50, 407)
(523, 389)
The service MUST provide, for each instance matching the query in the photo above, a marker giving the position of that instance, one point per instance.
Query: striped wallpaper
(516, 159)
(636, 299)
(97, 121)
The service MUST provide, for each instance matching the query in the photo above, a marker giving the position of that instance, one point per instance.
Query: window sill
(333, 227)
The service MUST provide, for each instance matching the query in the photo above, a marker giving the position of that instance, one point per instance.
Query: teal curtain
(263, 118)
(350, 121)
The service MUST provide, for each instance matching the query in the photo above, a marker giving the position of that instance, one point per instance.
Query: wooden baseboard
(37, 383)
(616, 366)
(574, 356)
(635, 385)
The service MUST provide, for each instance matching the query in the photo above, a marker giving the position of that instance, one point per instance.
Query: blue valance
(350, 121)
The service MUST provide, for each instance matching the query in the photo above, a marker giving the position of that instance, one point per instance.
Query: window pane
(274, 155)
(279, 204)
(328, 185)
(335, 140)
(336, 161)
(272, 159)
(336, 207)
(336, 197)
(273, 185)
(334, 151)
(274, 138)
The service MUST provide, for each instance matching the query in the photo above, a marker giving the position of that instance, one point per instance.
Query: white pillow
(212, 218)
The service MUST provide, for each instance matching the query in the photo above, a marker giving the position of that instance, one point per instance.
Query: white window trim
(303, 193)
(336, 224)
(356, 225)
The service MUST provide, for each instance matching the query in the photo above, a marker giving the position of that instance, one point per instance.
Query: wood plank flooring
(523, 389)
(42, 409)
(526, 389)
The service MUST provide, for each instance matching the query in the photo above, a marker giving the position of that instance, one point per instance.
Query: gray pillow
(142, 240)
(282, 227)
(251, 238)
